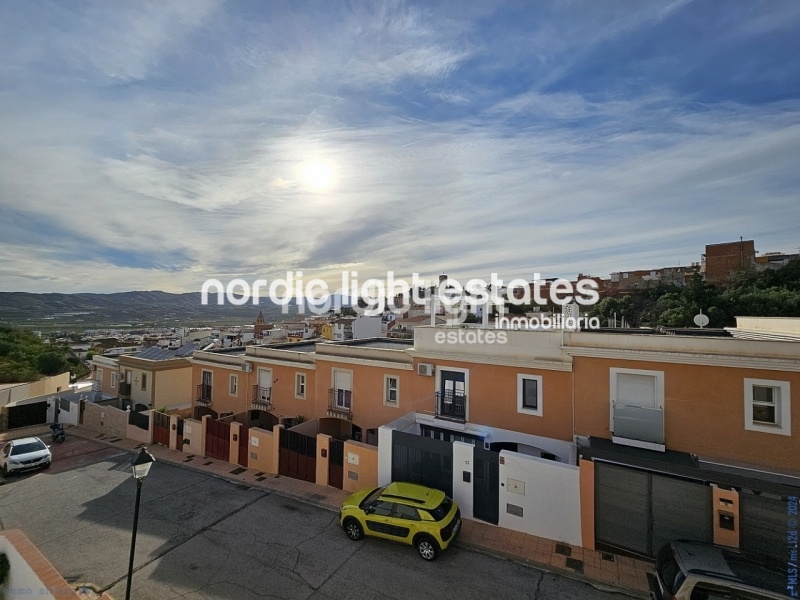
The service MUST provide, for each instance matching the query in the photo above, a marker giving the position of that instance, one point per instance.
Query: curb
(181, 464)
(604, 587)
(461, 544)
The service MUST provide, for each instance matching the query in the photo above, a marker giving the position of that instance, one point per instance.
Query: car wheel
(353, 529)
(5, 471)
(46, 465)
(427, 547)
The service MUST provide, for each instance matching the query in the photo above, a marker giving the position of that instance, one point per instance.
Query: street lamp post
(141, 464)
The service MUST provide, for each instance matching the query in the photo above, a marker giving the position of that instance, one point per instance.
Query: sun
(317, 175)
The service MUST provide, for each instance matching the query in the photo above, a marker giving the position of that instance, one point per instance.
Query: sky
(155, 145)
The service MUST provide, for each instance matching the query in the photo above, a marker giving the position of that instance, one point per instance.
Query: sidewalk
(597, 568)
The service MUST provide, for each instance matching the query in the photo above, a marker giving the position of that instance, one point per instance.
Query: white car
(23, 454)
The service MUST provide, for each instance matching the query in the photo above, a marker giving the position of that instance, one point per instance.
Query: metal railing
(262, 398)
(451, 406)
(639, 423)
(340, 404)
(203, 396)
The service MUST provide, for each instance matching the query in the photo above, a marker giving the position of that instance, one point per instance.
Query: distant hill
(134, 309)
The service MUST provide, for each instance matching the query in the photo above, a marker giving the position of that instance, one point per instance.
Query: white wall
(367, 327)
(462, 491)
(22, 580)
(548, 493)
(384, 455)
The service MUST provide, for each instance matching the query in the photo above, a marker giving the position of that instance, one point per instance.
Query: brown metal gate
(244, 445)
(179, 440)
(218, 440)
(161, 428)
(298, 456)
(336, 464)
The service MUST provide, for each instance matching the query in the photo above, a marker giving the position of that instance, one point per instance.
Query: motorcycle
(57, 433)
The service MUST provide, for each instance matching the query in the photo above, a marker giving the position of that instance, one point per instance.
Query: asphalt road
(202, 537)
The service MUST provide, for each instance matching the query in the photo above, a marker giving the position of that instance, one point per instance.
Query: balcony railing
(451, 406)
(262, 398)
(340, 404)
(124, 389)
(203, 396)
(638, 423)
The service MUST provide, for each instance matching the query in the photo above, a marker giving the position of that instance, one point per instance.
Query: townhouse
(617, 440)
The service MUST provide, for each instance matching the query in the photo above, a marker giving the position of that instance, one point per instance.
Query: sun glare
(317, 175)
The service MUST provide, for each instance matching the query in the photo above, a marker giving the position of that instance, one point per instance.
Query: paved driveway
(204, 537)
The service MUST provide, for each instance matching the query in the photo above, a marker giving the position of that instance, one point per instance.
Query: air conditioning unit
(247, 367)
(425, 369)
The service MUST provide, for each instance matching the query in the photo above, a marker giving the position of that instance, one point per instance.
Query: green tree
(51, 363)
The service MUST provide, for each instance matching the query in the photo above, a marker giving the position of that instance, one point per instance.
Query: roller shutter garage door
(763, 524)
(640, 511)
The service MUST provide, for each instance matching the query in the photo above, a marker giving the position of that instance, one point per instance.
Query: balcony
(340, 404)
(203, 397)
(262, 398)
(124, 390)
(638, 424)
(451, 406)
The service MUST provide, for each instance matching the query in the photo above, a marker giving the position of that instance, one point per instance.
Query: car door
(379, 519)
(404, 522)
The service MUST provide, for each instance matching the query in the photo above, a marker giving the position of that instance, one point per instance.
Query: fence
(105, 419)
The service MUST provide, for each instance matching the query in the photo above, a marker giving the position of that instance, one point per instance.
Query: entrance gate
(218, 440)
(161, 428)
(336, 463)
(486, 488)
(298, 455)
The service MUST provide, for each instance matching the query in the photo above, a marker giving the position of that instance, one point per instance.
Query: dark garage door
(763, 524)
(639, 511)
(24, 415)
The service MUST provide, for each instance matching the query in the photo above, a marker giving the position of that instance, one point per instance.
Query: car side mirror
(369, 510)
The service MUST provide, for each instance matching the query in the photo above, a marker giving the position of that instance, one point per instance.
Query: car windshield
(27, 448)
(441, 511)
(374, 495)
(671, 574)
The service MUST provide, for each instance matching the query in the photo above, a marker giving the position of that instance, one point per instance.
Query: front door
(453, 395)
(379, 520)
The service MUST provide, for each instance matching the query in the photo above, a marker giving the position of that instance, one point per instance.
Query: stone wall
(105, 419)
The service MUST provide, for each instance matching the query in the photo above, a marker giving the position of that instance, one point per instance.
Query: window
(299, 385)
(529, 394)
(636, 399)
(98, 376)
(391, 389)
(234, 385)
(114, 379)
(767, 406)
(144, 381)
(382, 509)
(342, 389)
(403, 511)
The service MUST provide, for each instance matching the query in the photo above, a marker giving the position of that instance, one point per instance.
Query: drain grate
(563, 549)
(607, 556)
(238, 471)
(574, 563)
(211, 462)
(260, 478)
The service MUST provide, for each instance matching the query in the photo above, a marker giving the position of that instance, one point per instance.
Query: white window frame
(613, 373)
(98, 377)
(538, 411)
(352, 385)
(114, 379)
(386, 389)
(783, 406)
(233, 385)
(300, 381)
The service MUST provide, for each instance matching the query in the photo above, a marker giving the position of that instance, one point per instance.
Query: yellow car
(404, 512)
